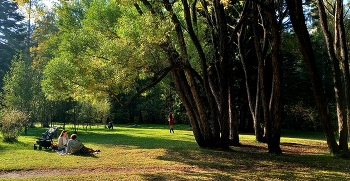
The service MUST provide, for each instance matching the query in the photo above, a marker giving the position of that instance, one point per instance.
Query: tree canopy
(235, 65)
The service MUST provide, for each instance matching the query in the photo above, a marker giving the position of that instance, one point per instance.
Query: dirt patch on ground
(58, 172)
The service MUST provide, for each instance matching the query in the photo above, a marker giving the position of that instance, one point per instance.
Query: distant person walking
(171, 121)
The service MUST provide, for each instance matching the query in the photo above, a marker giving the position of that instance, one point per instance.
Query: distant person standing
(171, 121)
(110, 125)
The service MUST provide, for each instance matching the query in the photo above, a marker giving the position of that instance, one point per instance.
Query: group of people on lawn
(66, 145)
(71, 145)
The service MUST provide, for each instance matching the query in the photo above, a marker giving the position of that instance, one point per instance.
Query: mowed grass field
(150, 152)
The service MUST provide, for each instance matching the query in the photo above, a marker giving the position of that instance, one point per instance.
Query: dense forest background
(223, 67)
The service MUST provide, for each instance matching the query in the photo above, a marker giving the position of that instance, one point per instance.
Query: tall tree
(12, 34)
(17, 82)
(266, 19)
(198, 46)
(342, 49)
(28, 7)
(253, 101)
(298, 20)
(340, 85)
(79, 43)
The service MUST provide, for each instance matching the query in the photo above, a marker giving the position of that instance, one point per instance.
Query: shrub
(13, 121)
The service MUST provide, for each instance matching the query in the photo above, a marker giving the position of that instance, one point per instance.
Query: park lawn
(150, 152)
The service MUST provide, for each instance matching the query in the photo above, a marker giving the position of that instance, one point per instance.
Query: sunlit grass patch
(150, 152)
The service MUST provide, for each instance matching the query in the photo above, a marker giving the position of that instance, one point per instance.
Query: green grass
(150, 152)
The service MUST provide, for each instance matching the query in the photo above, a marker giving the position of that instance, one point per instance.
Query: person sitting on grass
(75, 146)
(62, 141)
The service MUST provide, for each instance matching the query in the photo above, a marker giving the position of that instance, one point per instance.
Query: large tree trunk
(337, 77)
(252, 104)
(300, 29)
(273, 127)
(261, 53)
(197, 102)
(221, 24)
(183, 90)
(189, 91)
(213, 104)
(208, 97)
(270, 97)
(341, 47)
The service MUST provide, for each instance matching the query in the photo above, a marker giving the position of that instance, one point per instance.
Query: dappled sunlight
(150, 152)
(295, 148)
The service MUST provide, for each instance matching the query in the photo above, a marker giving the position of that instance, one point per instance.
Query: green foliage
(12, 34)
(89, 50)
(45, 37)
(102, 110)
(299, 102)
(93, 112)
(301, 117)
(61, 71)
(13, 121)
(98, 54)
(17, 83)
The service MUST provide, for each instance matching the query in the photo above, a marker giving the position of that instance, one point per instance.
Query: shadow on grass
(249, 161)
(189, 176)
(303, 134)
(298, 148)
(55, 152)
(85, 155)
(256, 164)
(13, 145)
(244, 162)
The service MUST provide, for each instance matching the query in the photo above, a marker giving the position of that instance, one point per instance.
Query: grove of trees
(222, 66)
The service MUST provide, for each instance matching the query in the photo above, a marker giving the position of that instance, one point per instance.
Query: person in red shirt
(171, 121)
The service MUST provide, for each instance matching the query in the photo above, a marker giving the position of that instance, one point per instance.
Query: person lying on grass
(75, 146)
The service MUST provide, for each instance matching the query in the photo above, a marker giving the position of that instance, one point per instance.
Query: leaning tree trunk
(340, 41)
(207, 103)
(337, 77)
(213, 103)
(196, 106)
(183, 90)
(301, 31)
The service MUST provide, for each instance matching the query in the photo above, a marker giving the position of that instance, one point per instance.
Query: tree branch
(156, 80)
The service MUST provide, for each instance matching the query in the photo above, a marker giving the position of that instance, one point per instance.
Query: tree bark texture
(253, 104)
(298, 22)
(341, 47)
(273, 131)
(270, 96)
(339, 89)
